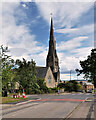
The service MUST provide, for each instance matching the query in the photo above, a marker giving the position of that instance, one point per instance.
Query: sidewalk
(85, 110)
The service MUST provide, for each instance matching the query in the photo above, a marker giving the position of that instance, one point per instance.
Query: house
(88, 86)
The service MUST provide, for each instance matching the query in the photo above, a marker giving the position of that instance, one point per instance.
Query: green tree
(69, 86)
(6, 64)
(75, 86)
(72, 86)
(61, 85)
(26, 74)
(89, 67)
(43, 88)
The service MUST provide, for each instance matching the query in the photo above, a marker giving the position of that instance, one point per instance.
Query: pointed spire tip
(51, 14)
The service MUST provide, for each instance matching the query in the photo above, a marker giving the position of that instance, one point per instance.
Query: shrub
(61, 85)
(72, 86)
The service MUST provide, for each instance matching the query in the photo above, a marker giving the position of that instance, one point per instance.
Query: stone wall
(50, 81)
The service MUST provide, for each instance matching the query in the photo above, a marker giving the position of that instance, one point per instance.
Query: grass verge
(11, 100)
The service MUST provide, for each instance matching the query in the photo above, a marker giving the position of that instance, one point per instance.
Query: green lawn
(10, 99)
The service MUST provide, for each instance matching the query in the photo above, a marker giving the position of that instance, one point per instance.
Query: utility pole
(70, 74)
(77, 75)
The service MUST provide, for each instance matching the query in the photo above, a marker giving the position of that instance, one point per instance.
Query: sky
(26, 30)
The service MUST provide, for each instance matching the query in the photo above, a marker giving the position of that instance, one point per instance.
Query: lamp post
(70, 75)
(77, 75)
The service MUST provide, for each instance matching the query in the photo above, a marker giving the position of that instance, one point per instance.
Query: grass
(10, 100)
(94, 91)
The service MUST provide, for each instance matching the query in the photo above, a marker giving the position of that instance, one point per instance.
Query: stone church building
(51, 72)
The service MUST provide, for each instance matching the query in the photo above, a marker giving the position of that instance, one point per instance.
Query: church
(51, 72)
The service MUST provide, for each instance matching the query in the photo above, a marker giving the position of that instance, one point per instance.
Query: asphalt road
(53, 106)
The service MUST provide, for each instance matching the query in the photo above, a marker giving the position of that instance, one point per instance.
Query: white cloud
(40, 58)
(71, 44)
(47, 1)
(65, 14)
(65, 77)
(66, 30)
(85, 29)
(15, 1)
(82, 53)
(18, 38)
(18, 51)
(73, 76)
(71, 62)
(24, 5)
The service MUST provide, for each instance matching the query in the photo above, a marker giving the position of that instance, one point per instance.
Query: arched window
(49, 79)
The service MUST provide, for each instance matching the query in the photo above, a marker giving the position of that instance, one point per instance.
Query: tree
(72, 86)
(42, 84)
(89, 67)
(26, 73)
(76, 86)
(68, 86)
(61, 85)
(6, 64)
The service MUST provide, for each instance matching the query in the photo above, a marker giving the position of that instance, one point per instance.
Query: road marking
(76, 100)
(88, 100)
(26, 102)
(87, 94)
(22, 103)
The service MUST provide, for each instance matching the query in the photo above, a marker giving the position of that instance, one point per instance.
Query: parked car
(90, 91)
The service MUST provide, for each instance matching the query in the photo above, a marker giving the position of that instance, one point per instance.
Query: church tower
(52, 58)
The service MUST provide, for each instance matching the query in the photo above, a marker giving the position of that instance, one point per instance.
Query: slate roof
(88, 83)
(41, 72)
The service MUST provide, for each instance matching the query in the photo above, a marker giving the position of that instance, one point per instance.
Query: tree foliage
(6, 72)
(26, 74)
(42, 85)
(72, 86)
(61, 85)
(89, 67)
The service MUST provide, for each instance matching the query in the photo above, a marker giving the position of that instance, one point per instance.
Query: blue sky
(26, 26)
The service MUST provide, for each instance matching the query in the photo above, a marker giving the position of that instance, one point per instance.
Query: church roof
(41, 72)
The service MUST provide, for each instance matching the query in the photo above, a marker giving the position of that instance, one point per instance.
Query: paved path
(85, 110)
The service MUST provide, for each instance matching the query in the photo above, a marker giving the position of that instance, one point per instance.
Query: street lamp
(70, 74)
(77, 75)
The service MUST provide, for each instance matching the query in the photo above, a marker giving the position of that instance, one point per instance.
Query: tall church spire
(52, 59)
(52, 43)
(51, 30)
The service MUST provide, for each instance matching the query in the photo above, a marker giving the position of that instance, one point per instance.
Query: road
(54, 106)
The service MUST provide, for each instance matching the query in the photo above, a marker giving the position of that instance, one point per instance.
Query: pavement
(30, 97)
(84, 110)
(74, 105)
